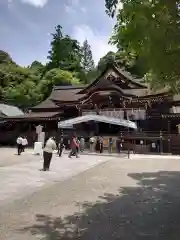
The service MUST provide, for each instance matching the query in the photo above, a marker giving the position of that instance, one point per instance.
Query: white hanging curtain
(175, 109)
(136, 114)
(114, 113)
(142, 114)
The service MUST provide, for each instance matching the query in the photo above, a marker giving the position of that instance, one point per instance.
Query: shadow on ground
(149, 211)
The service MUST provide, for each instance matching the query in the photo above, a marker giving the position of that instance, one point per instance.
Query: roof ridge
(68, 87)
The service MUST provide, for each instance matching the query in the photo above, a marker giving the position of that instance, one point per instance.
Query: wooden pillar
(161, 142)
(169, 136)
(96, 123)
(128, 144)
(79, 111)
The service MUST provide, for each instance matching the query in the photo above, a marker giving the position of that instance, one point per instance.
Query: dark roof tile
(34, 115)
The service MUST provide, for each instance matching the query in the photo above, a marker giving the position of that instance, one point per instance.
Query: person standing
(101, 145)
(97, 145)
(92, 143)
(61, 147)
(74, 147)
(118, 145)
(110, 144)
(50, 146)
(24, 143)
(78, 144)
(19, 145)
(82, 143)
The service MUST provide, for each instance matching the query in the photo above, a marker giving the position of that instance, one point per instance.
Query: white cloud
(35, 3)
(73, 7)
(119, 7)
(69, 9)
(83, 9)
(99, 43)
(74, 2)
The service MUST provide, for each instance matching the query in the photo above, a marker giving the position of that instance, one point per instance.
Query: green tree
(56, 77)
(124, 60)
(37, 67)
(151, 29)
(56, 53)
(65, 52)
(87, 58)
(5, 58)
(19, 86)
(109, 58)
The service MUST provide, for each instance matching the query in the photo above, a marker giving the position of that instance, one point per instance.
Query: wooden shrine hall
(115, 93)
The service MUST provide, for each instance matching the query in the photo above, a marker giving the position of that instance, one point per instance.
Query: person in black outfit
(118, 145)
(97, 147)
(101, 145)
(61, 147)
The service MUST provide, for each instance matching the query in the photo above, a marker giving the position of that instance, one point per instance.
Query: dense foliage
(150, 29)
(126, 61)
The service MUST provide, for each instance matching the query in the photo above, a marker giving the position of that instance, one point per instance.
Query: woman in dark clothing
(101, 144)
(61, 147)
(97, 145)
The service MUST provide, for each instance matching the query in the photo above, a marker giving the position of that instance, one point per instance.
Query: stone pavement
(23, 176)
(119, 199)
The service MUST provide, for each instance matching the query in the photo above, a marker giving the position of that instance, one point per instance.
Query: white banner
(113, 113)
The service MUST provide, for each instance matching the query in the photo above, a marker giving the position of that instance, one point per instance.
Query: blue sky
(25, 26)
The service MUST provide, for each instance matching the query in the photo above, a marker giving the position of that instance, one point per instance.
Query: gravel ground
(118, 199)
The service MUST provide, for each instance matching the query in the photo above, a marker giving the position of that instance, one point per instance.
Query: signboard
(67, 127)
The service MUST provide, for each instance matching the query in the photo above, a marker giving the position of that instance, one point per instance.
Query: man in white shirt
(50, 146)
(24, 143)
(19, 145)
(92, 143)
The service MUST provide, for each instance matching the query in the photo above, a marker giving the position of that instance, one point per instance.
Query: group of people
(21, 144)
(76, 145)
(96, 144)
(51, 145)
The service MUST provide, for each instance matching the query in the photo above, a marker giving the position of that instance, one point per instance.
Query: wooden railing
(163, 134)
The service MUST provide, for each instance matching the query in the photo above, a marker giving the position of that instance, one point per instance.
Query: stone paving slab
(23, 178)
(126, 200)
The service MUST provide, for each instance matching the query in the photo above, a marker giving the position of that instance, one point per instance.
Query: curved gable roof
(118, 71)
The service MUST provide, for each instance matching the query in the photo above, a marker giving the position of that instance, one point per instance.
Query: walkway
(117, 199)
(21, 175)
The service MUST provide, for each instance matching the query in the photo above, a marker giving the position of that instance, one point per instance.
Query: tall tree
(37, 67)
(55, 54)
(65, 52)
(56, 76)
(87, 58)
(152, 30)
(109, 58)
(127, 61)
(5, 58)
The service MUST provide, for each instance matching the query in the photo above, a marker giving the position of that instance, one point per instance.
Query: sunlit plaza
(94, 196)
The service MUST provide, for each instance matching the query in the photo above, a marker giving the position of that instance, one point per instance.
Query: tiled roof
(66, 95)
(8, 110)
(62, 94)
(46, 104)
(34, 115)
